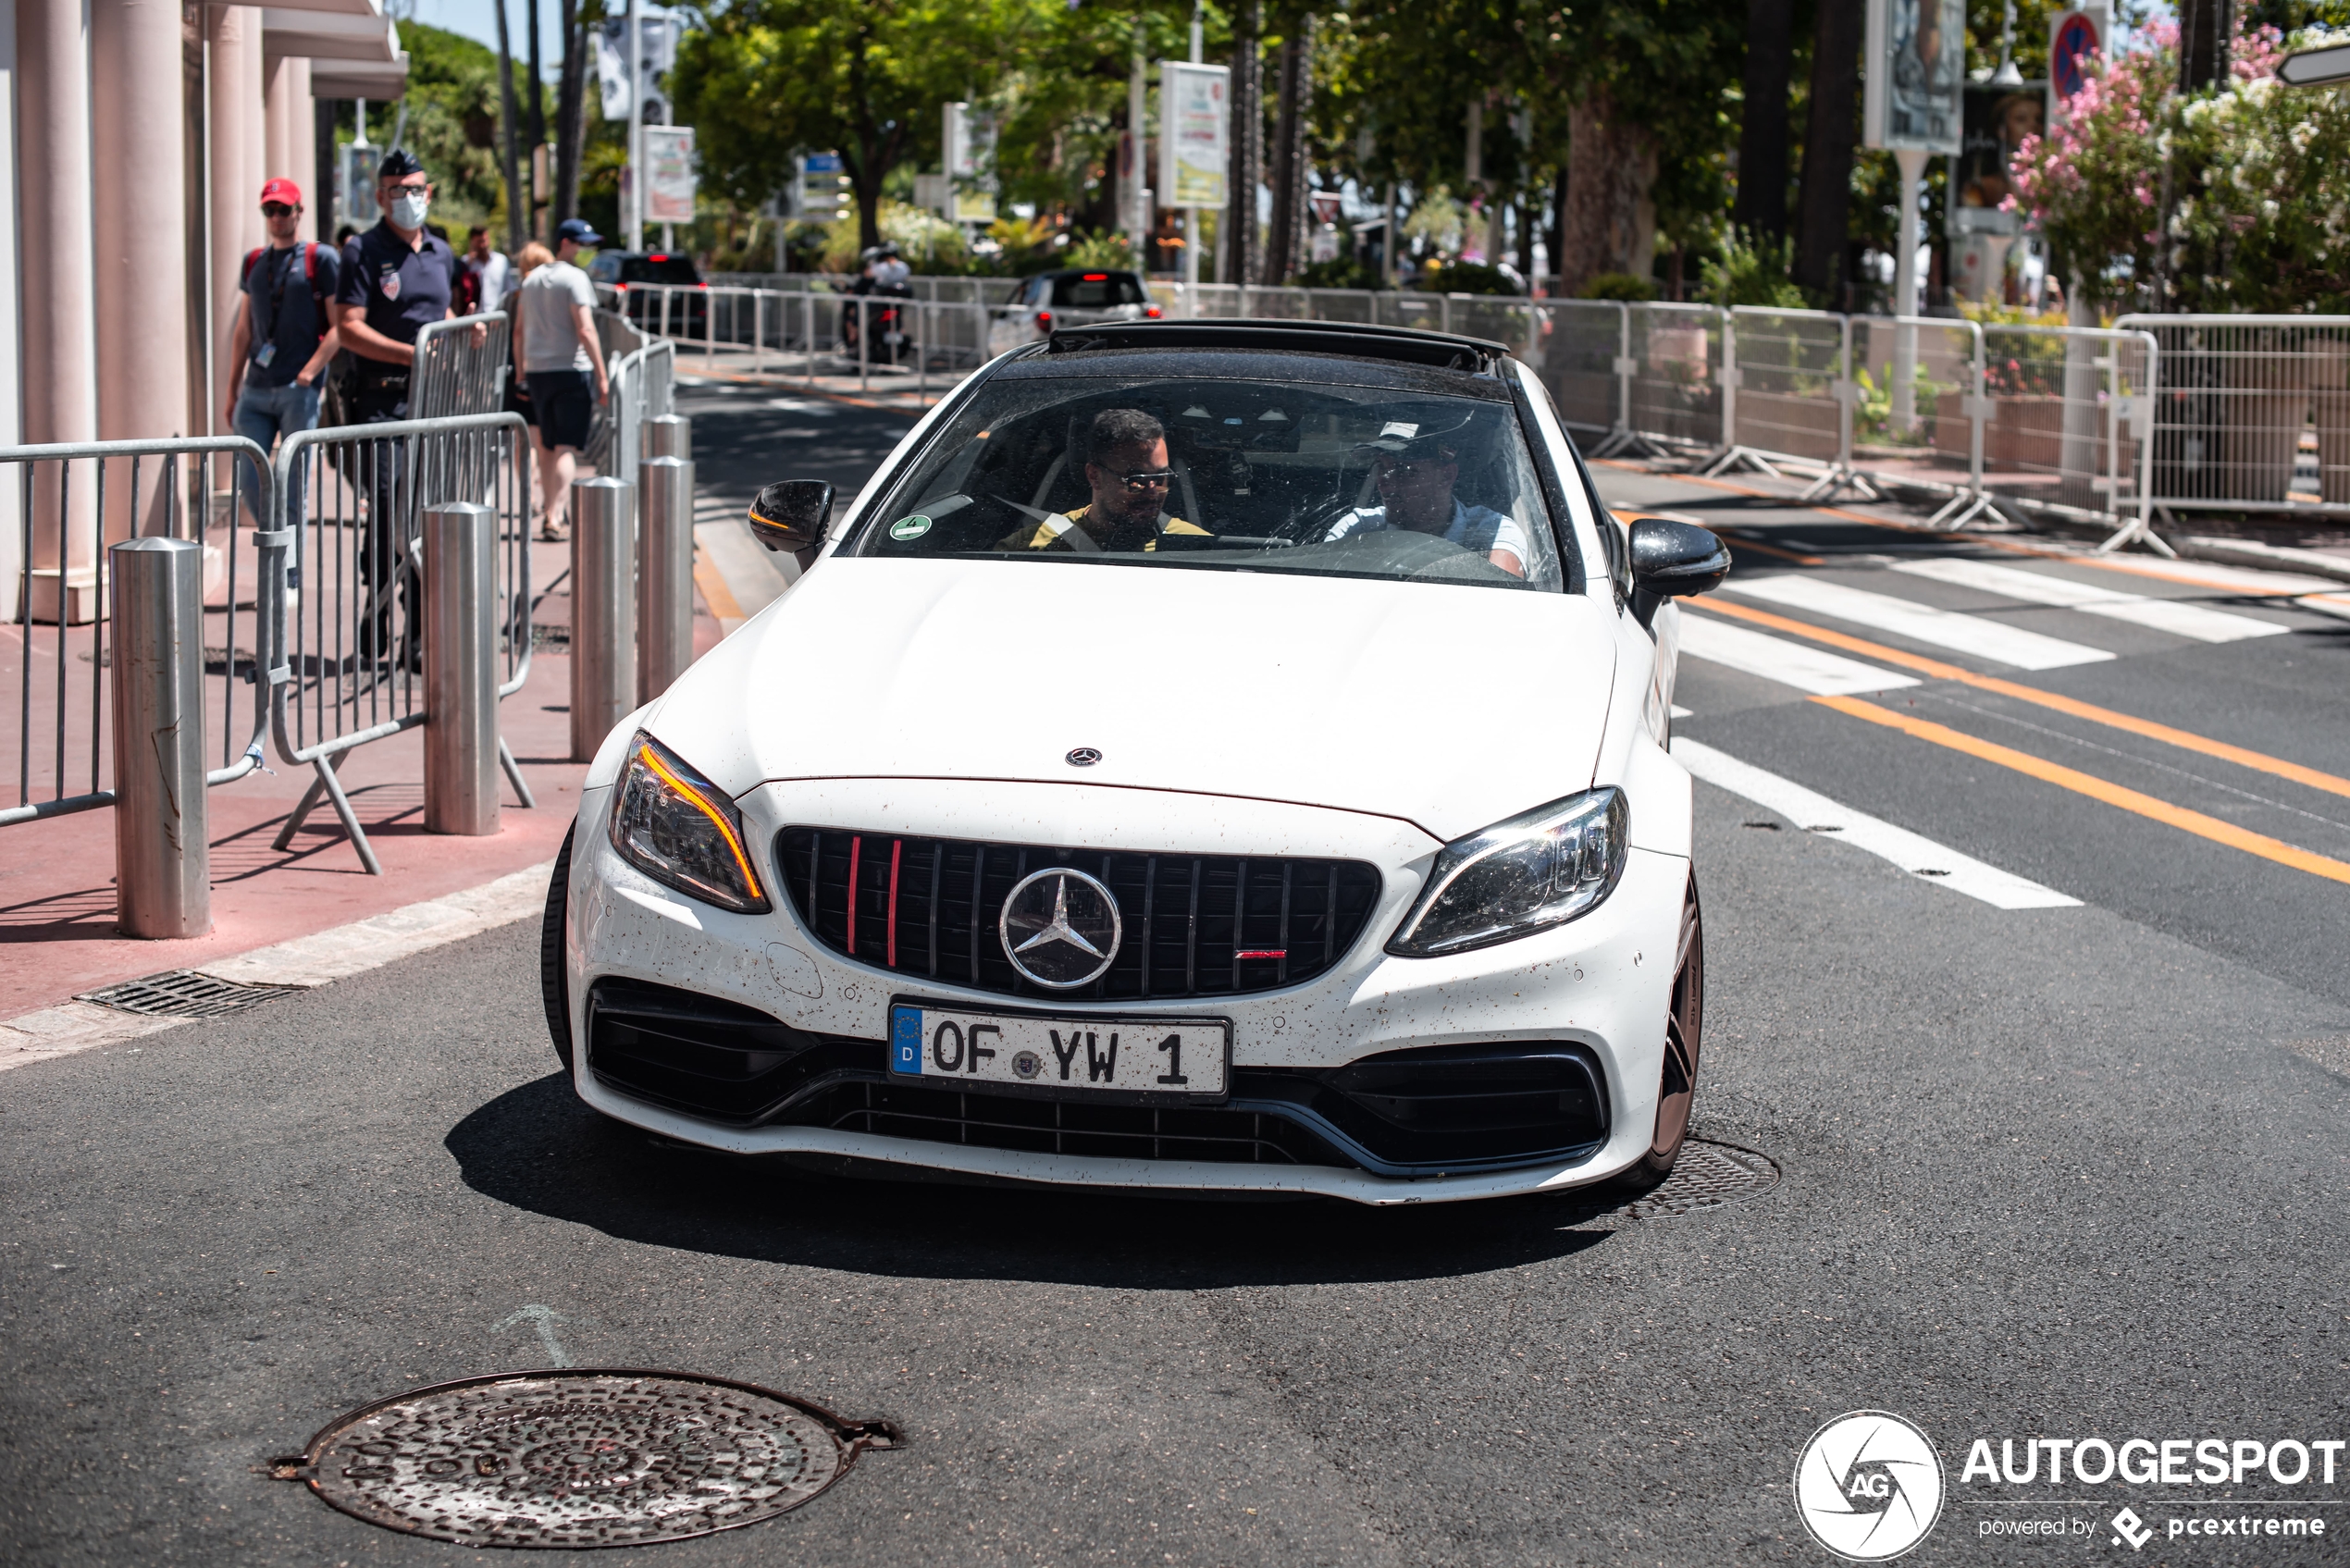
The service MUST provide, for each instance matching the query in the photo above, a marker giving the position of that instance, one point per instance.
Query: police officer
(397, 279)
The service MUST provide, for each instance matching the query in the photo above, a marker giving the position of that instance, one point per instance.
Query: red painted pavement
(56, 877)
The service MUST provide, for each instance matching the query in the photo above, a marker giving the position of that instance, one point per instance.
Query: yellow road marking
(716, 595)
(2187, 740)
(2096, 788)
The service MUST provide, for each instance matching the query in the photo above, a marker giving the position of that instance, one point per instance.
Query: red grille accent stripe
(897, 847)
(1263, 953)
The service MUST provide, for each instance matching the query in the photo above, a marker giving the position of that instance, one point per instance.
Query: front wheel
(554, 988)
(1684, 1028)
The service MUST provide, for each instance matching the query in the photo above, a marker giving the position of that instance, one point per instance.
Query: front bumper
(1595, 989)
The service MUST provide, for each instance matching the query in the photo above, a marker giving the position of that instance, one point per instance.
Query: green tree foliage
(765, 79)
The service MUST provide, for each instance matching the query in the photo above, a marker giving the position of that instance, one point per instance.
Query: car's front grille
(1196, 925)
(1063, 1126)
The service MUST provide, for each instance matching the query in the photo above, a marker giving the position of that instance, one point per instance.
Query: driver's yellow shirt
(1076, 531)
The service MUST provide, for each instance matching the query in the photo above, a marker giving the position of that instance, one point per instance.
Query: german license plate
(1060, 1055)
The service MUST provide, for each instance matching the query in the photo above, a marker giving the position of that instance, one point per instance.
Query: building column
(289, 132)
(60, 297)
(232, 41)
(12, 562)
(140, 268)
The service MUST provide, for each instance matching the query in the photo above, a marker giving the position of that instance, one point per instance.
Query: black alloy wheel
(552, 988)
(1684, 1031)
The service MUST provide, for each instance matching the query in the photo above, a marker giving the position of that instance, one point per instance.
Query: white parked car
(1205, 756)
(1071, 297)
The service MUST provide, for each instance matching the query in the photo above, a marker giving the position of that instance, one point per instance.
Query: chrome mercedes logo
(1083, 757)
(1060, 927)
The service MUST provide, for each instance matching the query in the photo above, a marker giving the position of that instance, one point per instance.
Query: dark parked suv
(640, 277)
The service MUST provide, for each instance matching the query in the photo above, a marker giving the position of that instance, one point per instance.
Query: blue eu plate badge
(906, 1039)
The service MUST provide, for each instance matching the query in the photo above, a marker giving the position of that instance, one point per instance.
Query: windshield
(1253, 476)
(661, 269)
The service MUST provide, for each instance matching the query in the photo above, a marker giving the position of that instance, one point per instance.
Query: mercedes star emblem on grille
(1083, 757)
(1060, 927)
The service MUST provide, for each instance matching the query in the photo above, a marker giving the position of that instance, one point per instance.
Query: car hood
(1448, 707)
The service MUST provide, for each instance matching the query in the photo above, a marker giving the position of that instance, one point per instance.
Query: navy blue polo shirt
(403, 289)
(283, 306)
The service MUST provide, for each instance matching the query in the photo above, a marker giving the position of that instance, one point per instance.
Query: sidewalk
(57, 884)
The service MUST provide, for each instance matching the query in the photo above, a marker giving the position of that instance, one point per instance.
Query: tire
(554, 988)
(1684, 1031)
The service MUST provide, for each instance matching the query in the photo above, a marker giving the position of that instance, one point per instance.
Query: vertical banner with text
(1195, 117)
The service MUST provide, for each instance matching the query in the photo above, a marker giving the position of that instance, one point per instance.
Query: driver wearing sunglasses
(1130, 479)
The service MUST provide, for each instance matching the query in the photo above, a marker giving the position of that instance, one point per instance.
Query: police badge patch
(391, 282)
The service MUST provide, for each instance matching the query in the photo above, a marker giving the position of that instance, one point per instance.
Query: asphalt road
(2045, 1172)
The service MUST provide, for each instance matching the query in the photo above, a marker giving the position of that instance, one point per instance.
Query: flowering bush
(2259, 215)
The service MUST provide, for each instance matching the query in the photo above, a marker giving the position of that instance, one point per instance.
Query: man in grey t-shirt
(563, 364)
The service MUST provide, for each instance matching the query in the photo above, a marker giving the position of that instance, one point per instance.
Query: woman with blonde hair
(529, 259)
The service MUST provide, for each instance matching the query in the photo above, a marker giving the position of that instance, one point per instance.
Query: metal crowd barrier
(348, 666)
(2238, 397)
(461, 366)
(69, 502)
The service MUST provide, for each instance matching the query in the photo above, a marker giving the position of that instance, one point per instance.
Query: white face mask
(408, 211)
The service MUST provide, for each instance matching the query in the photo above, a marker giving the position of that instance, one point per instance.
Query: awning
(377, 82)
(323, 35)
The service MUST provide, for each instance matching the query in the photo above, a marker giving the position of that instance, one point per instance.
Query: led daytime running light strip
(733, 841)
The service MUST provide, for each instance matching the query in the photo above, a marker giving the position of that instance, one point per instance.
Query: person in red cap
(283, 338)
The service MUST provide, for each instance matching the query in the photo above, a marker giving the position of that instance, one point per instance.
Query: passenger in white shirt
(1415, 474)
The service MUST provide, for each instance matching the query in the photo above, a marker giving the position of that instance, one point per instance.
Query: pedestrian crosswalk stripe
(1994, 640)
(2198, 622)
(1920, 856)
(1789, 664)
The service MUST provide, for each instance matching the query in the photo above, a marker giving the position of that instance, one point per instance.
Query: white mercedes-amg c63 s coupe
(1210, 756)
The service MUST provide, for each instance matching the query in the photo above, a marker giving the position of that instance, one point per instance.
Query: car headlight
(1539, 869)
(683, 831)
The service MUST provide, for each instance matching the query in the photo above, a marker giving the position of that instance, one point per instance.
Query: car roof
(1354, 339)
(1085, 271)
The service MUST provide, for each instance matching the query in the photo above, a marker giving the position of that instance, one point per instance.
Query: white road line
(1789, 664)
(1920, 858)
(1993, 640)
(2196, 621)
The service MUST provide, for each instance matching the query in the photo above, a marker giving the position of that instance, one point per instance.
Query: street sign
(668, 158)
(1916, 68)
(2316, 68)
(2072, 38)
(1195, 117)
(824, 188)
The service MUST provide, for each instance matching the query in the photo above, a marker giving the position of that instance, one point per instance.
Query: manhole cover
(184, 993)
(1706, 1177)
(580, 1458)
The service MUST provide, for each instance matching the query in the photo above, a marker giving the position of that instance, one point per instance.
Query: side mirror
(1673, 560)
(791, 515)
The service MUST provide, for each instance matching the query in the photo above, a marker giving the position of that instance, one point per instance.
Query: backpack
(310, 249)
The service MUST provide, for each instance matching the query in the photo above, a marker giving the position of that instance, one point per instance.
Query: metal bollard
(664, 572)
(461, 670)
(668, 435)
(162, 852)
(603, 610)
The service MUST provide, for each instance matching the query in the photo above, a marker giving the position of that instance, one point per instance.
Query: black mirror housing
(791, 515)
(1673, 560)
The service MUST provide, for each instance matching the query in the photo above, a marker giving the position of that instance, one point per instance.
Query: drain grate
(184, 993)
(584, 1458)
(1706, 1177)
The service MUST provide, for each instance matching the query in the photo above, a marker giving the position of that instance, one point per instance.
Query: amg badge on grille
(1060, 927)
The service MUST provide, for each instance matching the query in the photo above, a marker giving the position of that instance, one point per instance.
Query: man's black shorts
(566, 403)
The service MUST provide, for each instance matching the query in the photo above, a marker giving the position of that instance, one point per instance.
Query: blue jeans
(263, 414)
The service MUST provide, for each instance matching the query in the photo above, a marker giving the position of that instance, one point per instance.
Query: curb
(303, 964)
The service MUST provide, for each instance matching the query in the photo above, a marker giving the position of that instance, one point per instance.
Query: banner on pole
(1916, 63)
(1195, 120)
(669, 160)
